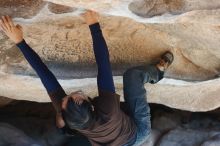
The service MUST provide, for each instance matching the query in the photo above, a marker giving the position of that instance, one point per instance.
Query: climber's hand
(91, 17)
(14, 32)
(59, 120)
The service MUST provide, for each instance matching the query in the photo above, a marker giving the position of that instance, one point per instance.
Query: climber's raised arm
(104, 78)
(15, 33)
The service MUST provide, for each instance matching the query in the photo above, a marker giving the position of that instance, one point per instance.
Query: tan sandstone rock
(202, 96)
(149, 8)
(60, 9)
(21, 8)
(64, 43)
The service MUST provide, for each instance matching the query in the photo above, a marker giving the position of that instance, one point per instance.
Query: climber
(100, 119)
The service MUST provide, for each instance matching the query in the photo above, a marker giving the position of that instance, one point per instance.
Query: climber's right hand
(14, 32)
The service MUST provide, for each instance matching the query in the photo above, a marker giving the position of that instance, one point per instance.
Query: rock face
(4, 101)
(13, 136)
(21, 8)
(136, 35)
(149, 8)
(59, 9)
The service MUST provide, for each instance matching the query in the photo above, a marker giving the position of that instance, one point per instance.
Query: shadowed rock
(10, 135)
(34, 122)
(213, 141)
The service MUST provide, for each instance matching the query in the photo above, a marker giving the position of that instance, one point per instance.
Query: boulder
(149, 8)
(62, 39)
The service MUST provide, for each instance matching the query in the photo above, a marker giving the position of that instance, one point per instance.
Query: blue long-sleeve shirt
(56, 92)
(104, 79)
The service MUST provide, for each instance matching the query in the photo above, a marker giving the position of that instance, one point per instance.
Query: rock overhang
(65, 45)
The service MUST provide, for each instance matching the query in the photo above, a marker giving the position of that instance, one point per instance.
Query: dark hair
(78, 116)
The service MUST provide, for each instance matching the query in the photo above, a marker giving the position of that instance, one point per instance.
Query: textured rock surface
(197, 131)
(59, 35)
(202, 96)
(214, 141)
(21, 8)
(59, 9)
(13, 136)
(183, 137)
(149, 8)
